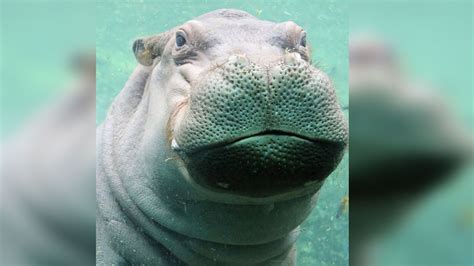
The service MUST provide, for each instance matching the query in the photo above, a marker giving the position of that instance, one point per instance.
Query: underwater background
(324, 238)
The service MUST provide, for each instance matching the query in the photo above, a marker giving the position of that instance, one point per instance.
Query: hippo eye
(180, 39)
(303, 39)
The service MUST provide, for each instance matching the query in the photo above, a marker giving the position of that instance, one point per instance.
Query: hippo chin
(215, 149)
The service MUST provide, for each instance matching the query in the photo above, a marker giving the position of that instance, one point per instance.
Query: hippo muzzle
(260, 129)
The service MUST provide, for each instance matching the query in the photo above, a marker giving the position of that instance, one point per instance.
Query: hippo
(215, 149)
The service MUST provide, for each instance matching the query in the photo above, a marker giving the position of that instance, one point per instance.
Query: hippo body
(215, 149)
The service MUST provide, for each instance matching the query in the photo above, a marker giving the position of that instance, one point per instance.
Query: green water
(434, 41)
(39, 40)
(324, 237)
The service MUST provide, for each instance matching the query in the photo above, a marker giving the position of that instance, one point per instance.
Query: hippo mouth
(263, 164)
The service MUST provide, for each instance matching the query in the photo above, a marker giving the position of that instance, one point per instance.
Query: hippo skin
(47, 175)
(215, 149)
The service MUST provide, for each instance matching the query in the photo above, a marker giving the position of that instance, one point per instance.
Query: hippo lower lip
(175, 146)
(263, 164)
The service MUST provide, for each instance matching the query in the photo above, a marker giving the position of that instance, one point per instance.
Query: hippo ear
(148, 48)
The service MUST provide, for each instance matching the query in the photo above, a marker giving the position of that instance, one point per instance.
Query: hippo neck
(193, 251)
(179, 247)
(148, 224)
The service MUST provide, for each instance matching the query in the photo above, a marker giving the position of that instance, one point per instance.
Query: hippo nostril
(238, 59)
(291, 58)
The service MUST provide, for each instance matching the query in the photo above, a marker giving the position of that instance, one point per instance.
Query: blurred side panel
(47, 208)
(411, 138)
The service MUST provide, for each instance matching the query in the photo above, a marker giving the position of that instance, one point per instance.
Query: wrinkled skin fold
(215, 149)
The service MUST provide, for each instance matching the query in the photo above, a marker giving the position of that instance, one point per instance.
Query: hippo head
(246, 113)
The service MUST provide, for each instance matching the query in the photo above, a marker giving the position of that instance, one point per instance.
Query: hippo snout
(274, 127)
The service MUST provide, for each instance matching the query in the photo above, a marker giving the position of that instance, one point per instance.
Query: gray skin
(215, 149)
